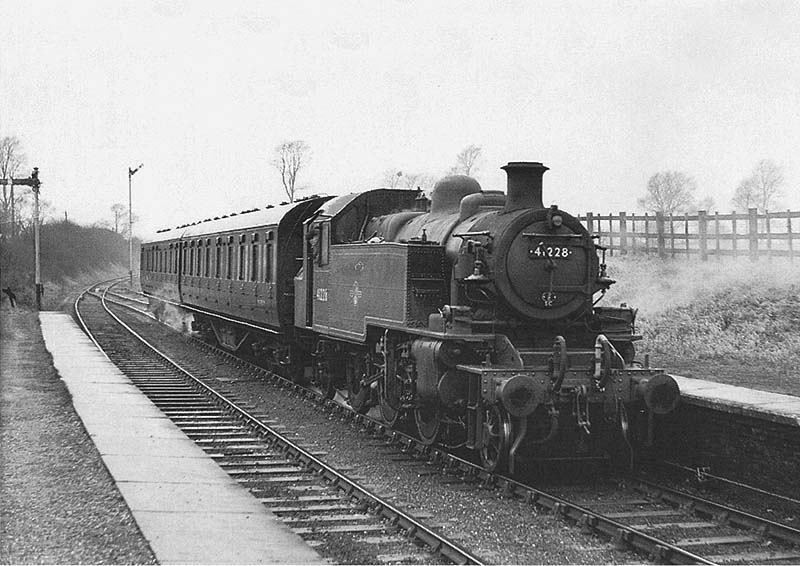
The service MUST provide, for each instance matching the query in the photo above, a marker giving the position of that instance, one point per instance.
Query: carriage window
(242, 266)
(229, 265)
(218, 262)
(208, 261)
(254, 263)
(268, 263)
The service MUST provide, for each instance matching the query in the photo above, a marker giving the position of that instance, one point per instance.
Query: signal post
(34, 183)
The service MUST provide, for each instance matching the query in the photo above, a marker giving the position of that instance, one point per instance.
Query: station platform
(774, 407)
(188, 509)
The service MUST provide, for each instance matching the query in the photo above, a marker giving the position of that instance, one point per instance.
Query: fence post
(734, 236)
(599, 231)
(662, 252)
(716, 230)
(623, 233)
(672, 233)
(789, 234)
(646, 233)
(590, 222)
(702, 231)
(686, 233)
(769, 234)
(753, 232)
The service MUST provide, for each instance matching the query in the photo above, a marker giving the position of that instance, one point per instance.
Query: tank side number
(322, 295)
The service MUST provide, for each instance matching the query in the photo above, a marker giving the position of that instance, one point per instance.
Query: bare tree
(119, 210)
(706, 203)
(11, 160)
(465, 161)
(25, 207)
(762, 189)
(416, 180)
(669, 192)
(394, 179)
(391, 178)
(289, 158)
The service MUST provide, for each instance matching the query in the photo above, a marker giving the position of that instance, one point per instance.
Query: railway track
(660, 524)
(330, 510)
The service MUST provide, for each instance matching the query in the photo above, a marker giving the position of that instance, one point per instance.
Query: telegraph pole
(131, 173)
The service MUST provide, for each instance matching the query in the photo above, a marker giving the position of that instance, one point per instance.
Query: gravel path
(58, 503)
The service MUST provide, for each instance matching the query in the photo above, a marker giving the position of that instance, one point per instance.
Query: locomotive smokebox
(524, 188)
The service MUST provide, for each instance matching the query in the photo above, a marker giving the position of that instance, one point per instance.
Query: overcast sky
(604, 93)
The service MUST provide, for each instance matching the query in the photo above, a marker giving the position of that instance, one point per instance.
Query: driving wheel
(428, 421)
(358, 395)
(389, 413)
(324, 378)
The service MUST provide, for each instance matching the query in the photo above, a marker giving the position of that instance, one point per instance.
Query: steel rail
(657, 549)
(82, 322)
(436, 542)
(702, 474)
(731, 515)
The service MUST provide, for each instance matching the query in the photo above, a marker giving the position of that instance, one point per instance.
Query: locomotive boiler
(469, 316)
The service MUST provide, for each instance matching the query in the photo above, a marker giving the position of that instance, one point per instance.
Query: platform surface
(187, 507)
(784, 409)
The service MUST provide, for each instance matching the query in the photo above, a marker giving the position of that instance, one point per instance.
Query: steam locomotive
(469, 315)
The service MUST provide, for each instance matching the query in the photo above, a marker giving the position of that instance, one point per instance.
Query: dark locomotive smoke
(524, 185)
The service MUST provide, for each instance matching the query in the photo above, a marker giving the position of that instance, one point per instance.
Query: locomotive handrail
(548, 235)
(486, 233)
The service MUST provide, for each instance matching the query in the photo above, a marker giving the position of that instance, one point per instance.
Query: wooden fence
(753, 234)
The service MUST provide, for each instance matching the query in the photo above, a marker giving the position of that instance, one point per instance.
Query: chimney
(524, 185)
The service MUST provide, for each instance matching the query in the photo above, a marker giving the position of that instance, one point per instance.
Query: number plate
(545, 250)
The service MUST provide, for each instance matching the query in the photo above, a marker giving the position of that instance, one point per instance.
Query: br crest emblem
(355, 293)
